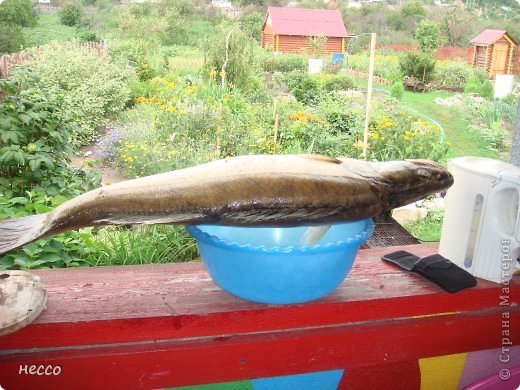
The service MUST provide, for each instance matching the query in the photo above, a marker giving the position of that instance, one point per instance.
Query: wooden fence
(8, 61)
(453, 53)
(363, 75)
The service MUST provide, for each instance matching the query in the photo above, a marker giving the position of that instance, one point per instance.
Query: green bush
(72, 14)
(418, 65)
(339, 82)
(284, 63)
(397, 90)
(251, 24)
(94, 87)
(234, 49)
(18, 13)
(428, 35)
(11, 38)
(453, 74)
(475, 84)
(308, 90)
(176, 32)
(35, 129)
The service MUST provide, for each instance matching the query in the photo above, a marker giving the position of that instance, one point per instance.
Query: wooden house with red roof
(287, 29)
(494, 51)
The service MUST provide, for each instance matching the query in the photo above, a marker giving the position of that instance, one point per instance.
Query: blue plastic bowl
(269, 265)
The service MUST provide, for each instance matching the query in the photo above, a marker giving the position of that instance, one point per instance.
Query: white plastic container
(503, 85)
(315, 65)
(481, 228)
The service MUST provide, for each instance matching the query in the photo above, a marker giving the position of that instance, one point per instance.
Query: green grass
(465, 142)
(49, 28)
(427, 229)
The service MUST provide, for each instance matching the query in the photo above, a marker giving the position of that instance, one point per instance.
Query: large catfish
(248, 190)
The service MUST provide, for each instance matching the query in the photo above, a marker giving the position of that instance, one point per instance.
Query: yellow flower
(382, 138)
(375, 135)
(388, 123)
(406, 138)
(171, 108)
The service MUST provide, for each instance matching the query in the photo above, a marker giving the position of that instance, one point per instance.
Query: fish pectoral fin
(150, 219)
(319, 157)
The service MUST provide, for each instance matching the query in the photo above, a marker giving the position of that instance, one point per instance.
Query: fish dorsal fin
(319, 157)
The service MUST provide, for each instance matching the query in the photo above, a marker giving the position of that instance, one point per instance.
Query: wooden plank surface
(167, 301)
(155, 326)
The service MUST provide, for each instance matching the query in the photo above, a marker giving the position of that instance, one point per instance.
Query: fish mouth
(424, 177)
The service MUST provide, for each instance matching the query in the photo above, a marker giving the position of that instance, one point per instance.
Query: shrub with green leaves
(251, 24)
(308, 90)
(418, 65)
(397, 90)
(35, 128)
(72, 14)
(278, 62)
(479, 85)
(176, 32)
(93, 87)
(338, 82)
(18, 13)
(452, 74)
(232, 53)
(11, 38)
(428, 35)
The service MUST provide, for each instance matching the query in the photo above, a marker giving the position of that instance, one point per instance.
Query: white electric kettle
(481, 228)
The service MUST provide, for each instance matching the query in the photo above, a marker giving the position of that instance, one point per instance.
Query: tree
(428, 34)
(177, 32)
(71, 14)
(407, 18)
(17, 13)
(11, 38)
(418, 65)
(251, 24)
(317, 45)
(230, 52)
(455, 26)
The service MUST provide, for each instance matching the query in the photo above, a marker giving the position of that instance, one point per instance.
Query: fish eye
(422, 172)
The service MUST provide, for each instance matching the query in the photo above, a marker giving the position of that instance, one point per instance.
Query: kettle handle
(517, 228)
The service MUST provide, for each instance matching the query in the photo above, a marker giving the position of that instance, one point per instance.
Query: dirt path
(109, 175)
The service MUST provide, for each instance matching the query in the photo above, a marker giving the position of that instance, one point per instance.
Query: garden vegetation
(180, 86)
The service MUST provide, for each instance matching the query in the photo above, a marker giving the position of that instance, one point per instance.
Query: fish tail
(17, 232)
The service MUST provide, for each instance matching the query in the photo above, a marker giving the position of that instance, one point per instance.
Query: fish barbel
(267, 190)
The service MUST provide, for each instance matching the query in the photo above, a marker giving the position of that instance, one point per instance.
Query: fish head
(412, 180)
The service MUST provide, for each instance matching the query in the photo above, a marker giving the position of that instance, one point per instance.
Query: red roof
(488, 37)
(306, 22)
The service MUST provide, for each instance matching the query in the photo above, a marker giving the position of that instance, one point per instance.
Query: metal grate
(389, 233)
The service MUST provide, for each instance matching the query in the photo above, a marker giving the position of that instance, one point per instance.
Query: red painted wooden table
(169, 325)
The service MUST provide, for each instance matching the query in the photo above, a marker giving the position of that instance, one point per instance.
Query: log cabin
(494, 52)
(287, 30)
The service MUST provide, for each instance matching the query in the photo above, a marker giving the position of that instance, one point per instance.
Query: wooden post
(276, 121)
(369, 92)
(217, 148)
(514, 157)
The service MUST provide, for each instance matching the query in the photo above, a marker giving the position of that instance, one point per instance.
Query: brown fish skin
(264, 190)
